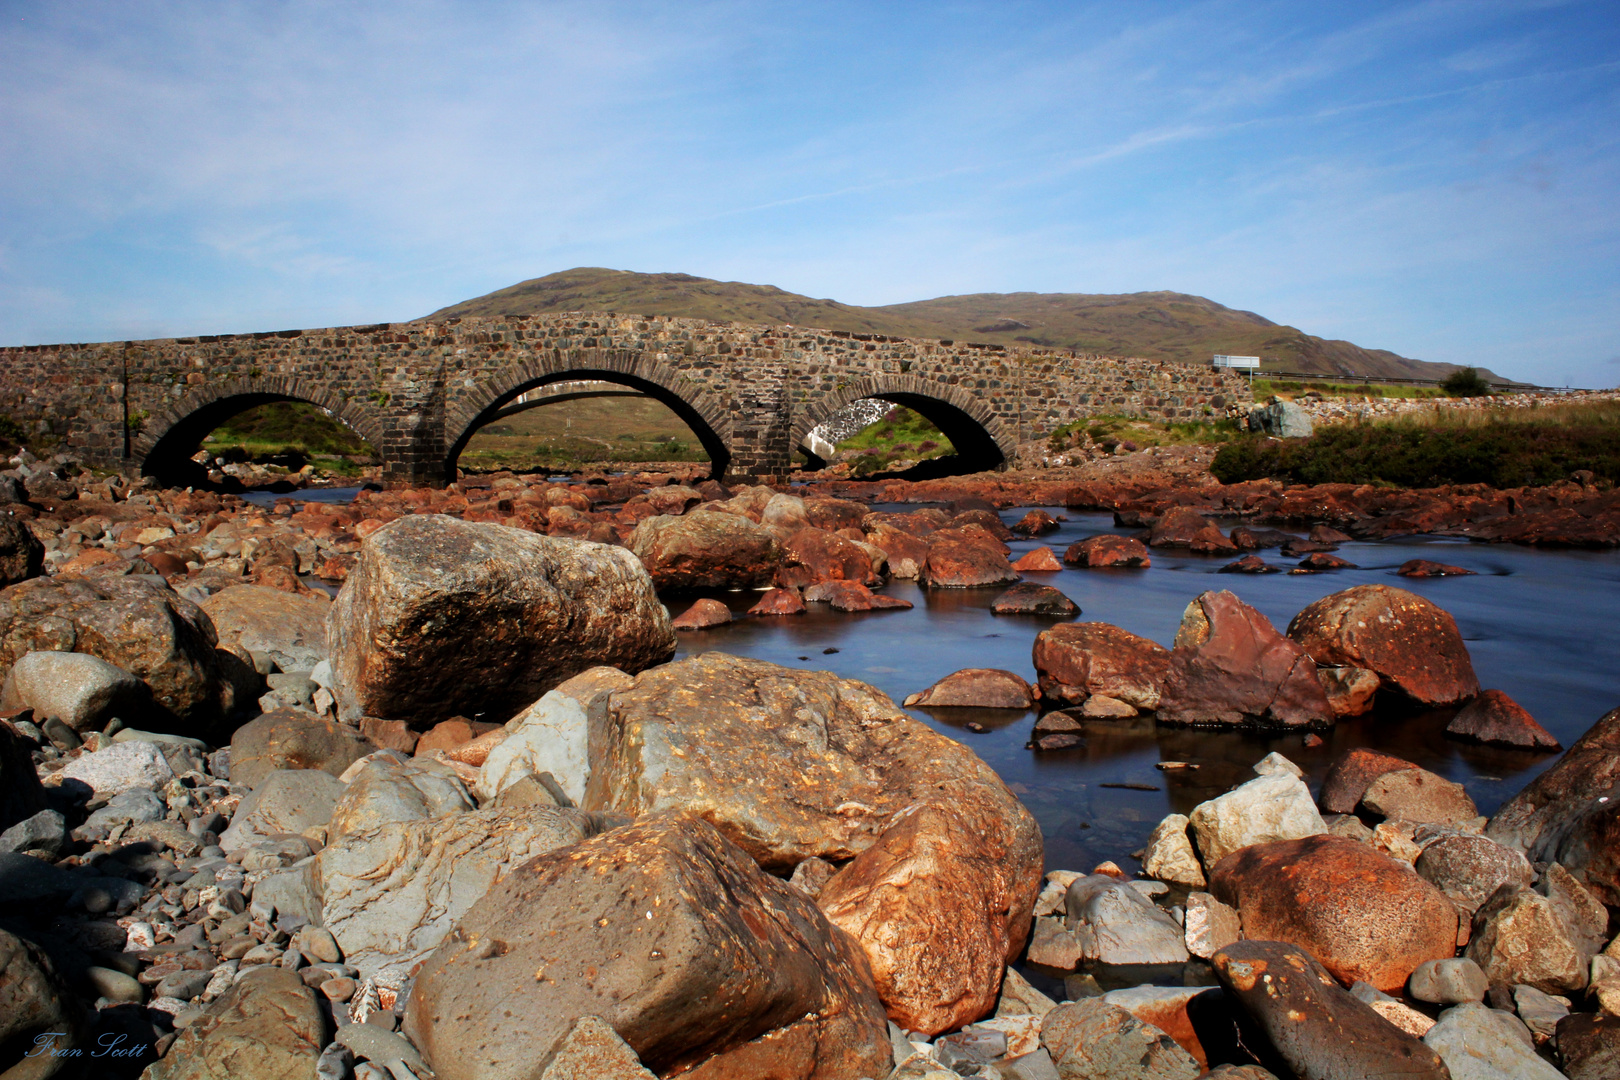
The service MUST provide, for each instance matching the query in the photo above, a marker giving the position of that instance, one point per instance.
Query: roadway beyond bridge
(419, 391)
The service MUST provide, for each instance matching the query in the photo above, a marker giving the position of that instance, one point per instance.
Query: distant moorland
(1156, 325)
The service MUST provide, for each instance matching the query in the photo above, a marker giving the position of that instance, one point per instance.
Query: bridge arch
(491, 398)
(981, 440)
(165, 440)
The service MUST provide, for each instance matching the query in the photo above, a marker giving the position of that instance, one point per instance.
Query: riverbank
(426, 721)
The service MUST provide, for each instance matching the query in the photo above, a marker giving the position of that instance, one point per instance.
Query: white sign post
(1251, 364)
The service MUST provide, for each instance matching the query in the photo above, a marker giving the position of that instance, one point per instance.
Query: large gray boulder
(441, 617)
(1280, 419)
(81, 690)
(1094, 1040)
(1479, 1043)
(119, 768)
(704, 964)
(286, 801)
(388, 789)
(390, 894)
(293, 739)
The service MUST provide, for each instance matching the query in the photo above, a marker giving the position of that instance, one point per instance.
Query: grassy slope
(590, 429)
(1157, 325)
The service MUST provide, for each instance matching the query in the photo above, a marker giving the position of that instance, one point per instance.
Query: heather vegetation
(1501, 447)
(901, 439)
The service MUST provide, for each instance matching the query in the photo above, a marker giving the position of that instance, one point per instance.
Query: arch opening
(632, 425)
(288, 438)
(976, 449)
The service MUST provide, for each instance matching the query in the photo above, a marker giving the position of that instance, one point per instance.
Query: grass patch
(1264, 388)
(902, 435)
(1519, 447)
(569, 434)
(1134, 433)
(285, 429)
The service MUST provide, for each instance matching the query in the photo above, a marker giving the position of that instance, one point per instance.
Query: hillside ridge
(1159, 325)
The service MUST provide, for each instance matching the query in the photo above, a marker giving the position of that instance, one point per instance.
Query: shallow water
(1538, 625)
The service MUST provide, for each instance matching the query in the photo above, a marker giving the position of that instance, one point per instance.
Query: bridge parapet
(417, 391)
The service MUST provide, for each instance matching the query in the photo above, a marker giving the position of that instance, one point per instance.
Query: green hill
(1156, 325)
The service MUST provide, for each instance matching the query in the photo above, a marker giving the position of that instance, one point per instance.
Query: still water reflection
(1539, 625)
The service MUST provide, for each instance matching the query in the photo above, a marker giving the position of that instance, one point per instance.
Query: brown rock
(1419, 796)
(1178, 527)
(1411, 644)
(1036, 523)
(388, 734)
(1495, 718)
(852, 596)
(1093, 1040)
(35, 1005)
(1519, 938)
(1076, 660)
(813, 555)
(985, 517)
(1027, 598)
(1425, 568)
(1062, 740)
(938, 911)
(779, 602)
(1327, 534)
(965, 558)
(1211, 541)
(293, 739)
(834, 514)
(1535, 819)
(1350, 691)
(22, 556)
(266, 1025)
(441, 617)
(1362, 914)
(1321, 560)
(1231, 667)
(446, 735)
(593, 1051)
(706, 550)
(1108, 550)
(735, 975)
(142, 626)
(1347, 778)
(289, 627)
(1041, 560)
(702, 615)
(794, 764)
(21, 796)
(1318, 1028)
(1249, 564)
(983, 688)
(1589, 1046)
(907, 551)
(1591, 851)
(1468, 869)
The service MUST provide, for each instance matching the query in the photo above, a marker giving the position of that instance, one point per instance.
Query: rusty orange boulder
(793, 765)
(1232, 668)
(964, 557)
(983, 688)
(704, 964)
(1108, 550)
(1362, 914)
(706, 549)
(813, 555)
(442, 617)
(1497, 719)
(1077, 660)
(1041, 560)
(702, 615)
(1412, 645)
(1349, 776)
(779, 602)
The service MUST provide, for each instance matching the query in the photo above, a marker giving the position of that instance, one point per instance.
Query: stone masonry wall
(417, 391)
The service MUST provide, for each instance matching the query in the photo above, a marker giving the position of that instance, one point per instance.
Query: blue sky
(1437, 178)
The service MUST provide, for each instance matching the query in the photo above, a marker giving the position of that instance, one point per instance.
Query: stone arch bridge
(418, 391)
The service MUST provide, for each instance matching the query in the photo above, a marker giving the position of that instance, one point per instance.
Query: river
(1539, 625)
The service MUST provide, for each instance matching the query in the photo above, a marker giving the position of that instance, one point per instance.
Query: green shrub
(1502, 454)
(1465, 382)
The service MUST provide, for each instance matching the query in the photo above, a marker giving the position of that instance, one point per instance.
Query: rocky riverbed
(413, 787)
